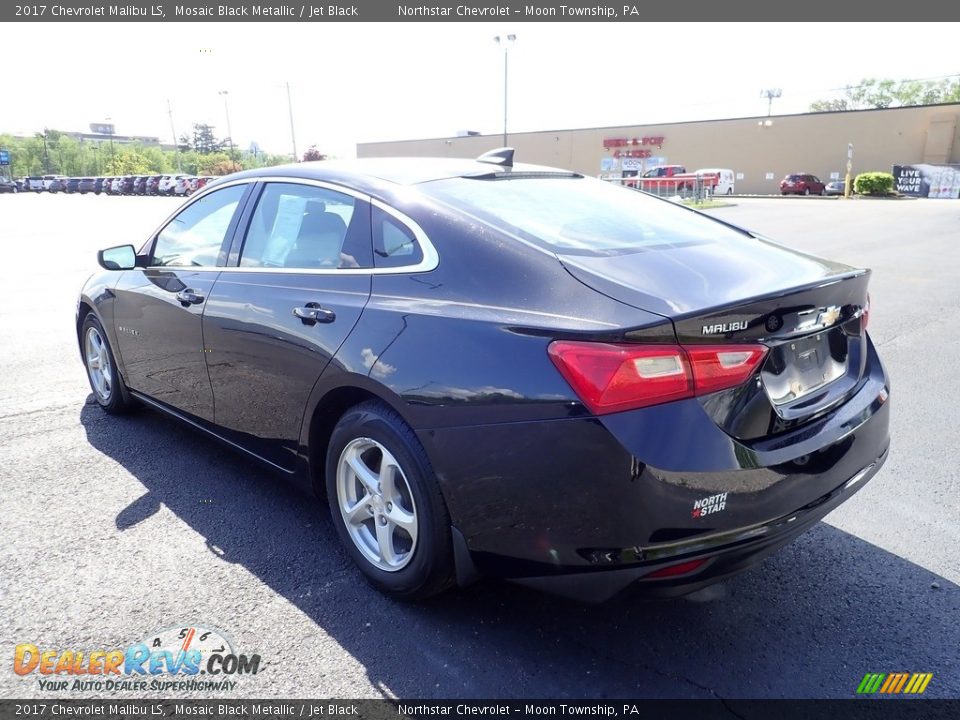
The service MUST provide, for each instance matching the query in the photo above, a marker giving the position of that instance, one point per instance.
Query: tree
(885, 93)
(313, 154)
(203, 140)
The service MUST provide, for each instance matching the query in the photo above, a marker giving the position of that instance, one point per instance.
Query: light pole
(293, 137)
(506, 42)
(770, 95)
(226, 110)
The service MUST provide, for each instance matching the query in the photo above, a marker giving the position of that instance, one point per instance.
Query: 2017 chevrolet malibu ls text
(502, 370)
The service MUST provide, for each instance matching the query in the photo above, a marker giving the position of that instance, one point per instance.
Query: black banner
(896, 709)
(927, 181)
(482, 11)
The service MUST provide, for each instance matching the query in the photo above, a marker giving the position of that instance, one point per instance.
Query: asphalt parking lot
(113, 528)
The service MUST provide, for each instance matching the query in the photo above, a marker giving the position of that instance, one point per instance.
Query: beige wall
(815, 143)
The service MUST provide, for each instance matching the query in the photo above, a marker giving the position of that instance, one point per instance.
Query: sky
(362, 82)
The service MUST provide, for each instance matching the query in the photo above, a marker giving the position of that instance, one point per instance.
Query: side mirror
(122, 257)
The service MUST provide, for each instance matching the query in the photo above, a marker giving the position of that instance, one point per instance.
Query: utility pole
(226, 111)
(770, 95)
(46, 157)
(293, 136)
(176, 142)
(110, 128)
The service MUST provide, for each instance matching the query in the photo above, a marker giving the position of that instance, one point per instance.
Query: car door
(158, 309)
(273, 322)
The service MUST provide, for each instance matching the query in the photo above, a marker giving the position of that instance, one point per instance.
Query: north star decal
(709, 505)
(718, 328)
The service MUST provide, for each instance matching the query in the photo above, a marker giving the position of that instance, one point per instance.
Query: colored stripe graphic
(894, 683)
(918, 683)
(870, 683)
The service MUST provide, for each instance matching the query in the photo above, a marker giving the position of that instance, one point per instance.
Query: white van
(725, 180)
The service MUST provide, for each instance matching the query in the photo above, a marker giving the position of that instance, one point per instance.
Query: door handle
(189, 297)
(311, 313)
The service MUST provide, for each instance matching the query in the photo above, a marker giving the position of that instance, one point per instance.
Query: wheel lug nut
(383, 520)
(389, 506)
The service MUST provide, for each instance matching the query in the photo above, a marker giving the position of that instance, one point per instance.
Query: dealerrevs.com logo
(170, 659)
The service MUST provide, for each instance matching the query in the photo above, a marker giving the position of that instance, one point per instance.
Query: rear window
(579, 216)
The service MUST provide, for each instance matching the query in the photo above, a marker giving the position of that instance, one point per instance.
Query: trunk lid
(807, 310)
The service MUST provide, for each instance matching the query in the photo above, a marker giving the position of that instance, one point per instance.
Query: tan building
(760, 150)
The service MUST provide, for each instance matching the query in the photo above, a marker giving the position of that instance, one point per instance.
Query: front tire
(105, 381)
(386, 504)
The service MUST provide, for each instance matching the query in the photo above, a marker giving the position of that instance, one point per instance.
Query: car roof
(396, 171)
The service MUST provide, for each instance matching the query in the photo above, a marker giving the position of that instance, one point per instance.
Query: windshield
(580, 216)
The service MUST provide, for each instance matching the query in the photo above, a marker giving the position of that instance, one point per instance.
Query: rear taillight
(611, 377)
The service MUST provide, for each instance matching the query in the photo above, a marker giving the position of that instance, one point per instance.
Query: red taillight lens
(674, 570)
(611, 377)
(717, 367)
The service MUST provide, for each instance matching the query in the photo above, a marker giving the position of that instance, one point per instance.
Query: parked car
(152, 185)
(501, 369)
(99, 185)
(86, 185)
(183, 184)
(725, 180)
(71, 185)
(802, 184)
(8, 185)
(140, 185)
(48, 181)
(835, 187)
(126, 184)
(202, 182)
(56, 185)
(168, 183)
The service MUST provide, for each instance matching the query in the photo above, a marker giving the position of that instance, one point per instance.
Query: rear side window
(394, 244)
(580, 216)
(307, 227)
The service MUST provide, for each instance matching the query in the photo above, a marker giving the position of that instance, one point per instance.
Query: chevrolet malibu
(502, 370)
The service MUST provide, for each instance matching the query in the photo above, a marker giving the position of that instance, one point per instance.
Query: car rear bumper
(724, 555)
(601, 502)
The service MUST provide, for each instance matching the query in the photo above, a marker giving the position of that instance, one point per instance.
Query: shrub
(873, 183)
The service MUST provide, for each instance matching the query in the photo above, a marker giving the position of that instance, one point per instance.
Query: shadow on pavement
(809, 622)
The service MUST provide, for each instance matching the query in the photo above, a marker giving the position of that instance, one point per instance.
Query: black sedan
(502, 370)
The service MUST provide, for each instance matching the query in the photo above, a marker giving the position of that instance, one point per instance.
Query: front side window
(194, 237)
(307, 227)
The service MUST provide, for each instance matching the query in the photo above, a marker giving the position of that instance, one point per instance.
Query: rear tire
(386, 504)
(108, 387)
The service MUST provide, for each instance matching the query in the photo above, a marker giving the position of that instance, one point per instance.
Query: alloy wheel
(376, 504)
(98, 364)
